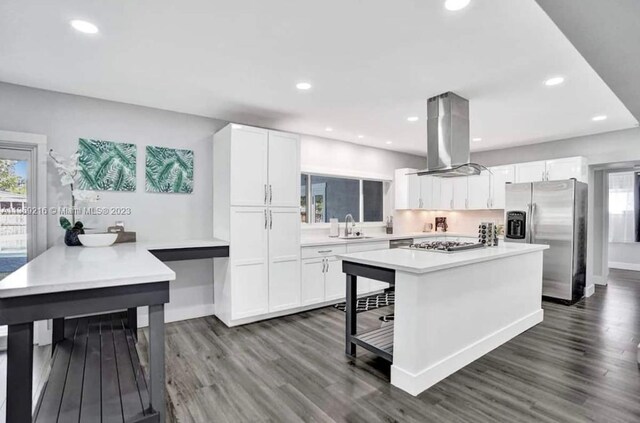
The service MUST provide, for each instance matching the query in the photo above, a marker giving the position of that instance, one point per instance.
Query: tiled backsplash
(458, 221)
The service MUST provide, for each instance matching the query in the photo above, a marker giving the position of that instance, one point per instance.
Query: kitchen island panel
(446, 319)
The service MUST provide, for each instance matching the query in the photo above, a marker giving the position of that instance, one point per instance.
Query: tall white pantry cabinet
(256, 207)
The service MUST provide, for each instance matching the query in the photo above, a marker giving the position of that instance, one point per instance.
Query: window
(326, 197)
(621, 207)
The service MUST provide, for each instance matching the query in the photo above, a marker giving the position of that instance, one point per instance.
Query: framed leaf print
(106, 165)
(169, 170)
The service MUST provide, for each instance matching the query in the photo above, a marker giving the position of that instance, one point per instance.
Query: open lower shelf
(378, 341)
(96, 375)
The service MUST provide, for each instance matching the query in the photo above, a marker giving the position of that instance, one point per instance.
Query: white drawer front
(367, 246)
(323, 251)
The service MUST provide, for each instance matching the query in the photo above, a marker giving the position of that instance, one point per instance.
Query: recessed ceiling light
(303, 86)
(328, 129)
(389, 142)
(476, 139)
(455, 5)
(84, 26)
(599, 118)
(556, 80)
(413, 118)
(361, 136)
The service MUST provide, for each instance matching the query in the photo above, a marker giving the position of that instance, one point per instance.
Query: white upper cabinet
(460, 193)
(501, 175)
(479, 191)
(284, 170)
(444, 187)
(572, 167)
(407, 189)
(248, 170)
(426, 192)
(484, 191)
(531, 172)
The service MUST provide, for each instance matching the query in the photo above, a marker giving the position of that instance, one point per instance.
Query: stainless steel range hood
(448, 152)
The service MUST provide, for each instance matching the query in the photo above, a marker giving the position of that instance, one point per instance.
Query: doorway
(623, 248)
(23, 161)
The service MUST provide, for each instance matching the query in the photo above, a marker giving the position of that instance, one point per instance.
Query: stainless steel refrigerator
(552, 213)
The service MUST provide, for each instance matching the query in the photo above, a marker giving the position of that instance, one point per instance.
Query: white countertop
(317, 240)
(188, 243)
(63, 268)
(417, 261)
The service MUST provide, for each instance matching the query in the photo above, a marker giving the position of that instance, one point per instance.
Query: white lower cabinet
(335, 282)
(312, 284)
(322, 280)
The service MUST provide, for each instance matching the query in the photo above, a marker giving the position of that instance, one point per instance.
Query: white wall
(624, 255)
(323, 155)
(608, 147)
(65, 118)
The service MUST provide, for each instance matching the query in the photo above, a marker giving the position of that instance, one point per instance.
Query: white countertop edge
(79, 286)
(356, 258)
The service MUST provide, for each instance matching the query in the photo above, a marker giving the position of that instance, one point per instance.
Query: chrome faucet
(348, 230)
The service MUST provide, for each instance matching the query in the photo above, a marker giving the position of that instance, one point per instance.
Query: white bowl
(97, 240)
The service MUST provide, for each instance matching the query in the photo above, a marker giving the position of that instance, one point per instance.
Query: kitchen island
(450, 308)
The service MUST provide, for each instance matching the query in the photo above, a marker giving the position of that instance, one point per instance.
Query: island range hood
(448, 153)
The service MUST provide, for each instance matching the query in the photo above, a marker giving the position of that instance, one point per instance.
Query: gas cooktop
(445, 246)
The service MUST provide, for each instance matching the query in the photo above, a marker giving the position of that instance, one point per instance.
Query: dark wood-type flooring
(579, 365)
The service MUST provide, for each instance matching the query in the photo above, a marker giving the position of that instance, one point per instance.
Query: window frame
(360, 222)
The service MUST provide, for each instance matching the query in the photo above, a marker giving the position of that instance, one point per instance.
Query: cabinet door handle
(270, 193)
(325, 251)
(488, 203)
(265, 193)
(327, 262)
(451, 204)
(270, 219)
(265, 219)
(466, 203)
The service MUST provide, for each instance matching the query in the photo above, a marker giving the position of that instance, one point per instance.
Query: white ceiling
(372, 64)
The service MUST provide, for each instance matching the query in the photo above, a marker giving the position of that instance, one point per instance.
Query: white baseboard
(624, 266)
(589, 290)
(419, 382)
(245, 320)
(596, 280)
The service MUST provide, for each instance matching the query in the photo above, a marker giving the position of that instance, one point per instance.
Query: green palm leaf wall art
(106, 165)
(169, 170)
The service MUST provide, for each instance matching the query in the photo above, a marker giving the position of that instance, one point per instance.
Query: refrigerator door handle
(527, 237)
(532, 228)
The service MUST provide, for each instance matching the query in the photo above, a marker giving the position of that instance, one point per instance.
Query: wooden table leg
(351, 320)
(156, 358)
(19, 372)
(132, 321)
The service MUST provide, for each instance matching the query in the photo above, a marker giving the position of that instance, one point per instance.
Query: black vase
(71, 237)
